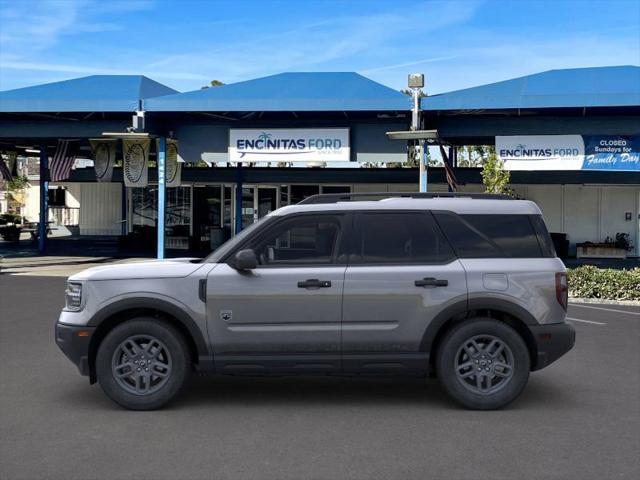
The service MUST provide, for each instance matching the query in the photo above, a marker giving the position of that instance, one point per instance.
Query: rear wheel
(483, 363)
(143, 363)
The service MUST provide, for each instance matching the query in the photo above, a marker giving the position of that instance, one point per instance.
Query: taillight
(562, 289)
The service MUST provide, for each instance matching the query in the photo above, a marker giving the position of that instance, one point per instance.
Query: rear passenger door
(402, 272)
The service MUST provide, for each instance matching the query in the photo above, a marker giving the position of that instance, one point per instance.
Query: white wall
(100, 208)
(588, 212)
(31, 208)
(615, 202)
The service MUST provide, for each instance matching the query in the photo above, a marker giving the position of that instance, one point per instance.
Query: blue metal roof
(298, 92)
(577, 87)
(96, 93)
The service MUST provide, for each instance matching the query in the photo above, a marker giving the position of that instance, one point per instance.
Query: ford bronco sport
(467, 288)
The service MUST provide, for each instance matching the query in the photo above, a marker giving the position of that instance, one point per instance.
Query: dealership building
(229, 155)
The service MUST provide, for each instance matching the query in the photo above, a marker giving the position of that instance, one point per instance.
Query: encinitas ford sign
(541, 152)
(569, 152)
(289, 145)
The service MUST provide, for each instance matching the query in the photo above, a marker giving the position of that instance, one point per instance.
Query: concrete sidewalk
(56, 266)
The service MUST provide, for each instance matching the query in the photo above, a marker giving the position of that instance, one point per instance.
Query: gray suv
(466, 288)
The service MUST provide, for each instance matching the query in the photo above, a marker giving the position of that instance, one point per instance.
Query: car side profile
(466, 288)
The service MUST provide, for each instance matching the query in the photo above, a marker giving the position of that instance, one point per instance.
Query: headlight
(73, 297)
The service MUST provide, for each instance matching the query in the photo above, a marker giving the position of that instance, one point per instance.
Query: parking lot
(579, 418)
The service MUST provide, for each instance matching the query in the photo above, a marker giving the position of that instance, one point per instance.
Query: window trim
(345, 228)
(356, 235)
(541, 230)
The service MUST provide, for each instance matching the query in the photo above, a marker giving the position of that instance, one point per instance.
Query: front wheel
(483, 363)
(142, 363)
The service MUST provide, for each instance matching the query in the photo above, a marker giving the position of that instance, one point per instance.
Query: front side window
(301, 240)
(399, 238)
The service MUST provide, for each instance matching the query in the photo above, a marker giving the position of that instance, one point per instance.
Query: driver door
(285, 314)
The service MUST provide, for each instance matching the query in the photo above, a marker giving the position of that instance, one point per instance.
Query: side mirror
(245, 260)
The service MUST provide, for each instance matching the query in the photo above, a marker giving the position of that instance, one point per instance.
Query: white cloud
(90, 70)
(31, 27)
(316, 45)
(499, 58)
(408, 64)
(436, 37)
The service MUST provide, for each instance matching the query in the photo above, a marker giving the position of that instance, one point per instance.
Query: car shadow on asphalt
(220, 391)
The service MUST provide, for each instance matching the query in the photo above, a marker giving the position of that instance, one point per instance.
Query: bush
(588, 281)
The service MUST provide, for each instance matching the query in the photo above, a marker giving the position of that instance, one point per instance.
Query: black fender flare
(505, 306)
(462, 307)
(160, 305)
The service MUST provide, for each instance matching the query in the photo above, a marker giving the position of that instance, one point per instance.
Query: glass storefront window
(336, 189)
(178, 219)
(144, 215)
(300, 192)
(207, 218)
(144, 208)
(228, 208)
(284, 195)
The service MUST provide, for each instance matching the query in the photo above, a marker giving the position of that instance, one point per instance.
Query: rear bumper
(75, 346)
(552, 341)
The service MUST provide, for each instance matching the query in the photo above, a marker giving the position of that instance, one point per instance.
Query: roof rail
(350, 197)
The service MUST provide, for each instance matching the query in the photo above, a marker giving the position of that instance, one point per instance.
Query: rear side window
(399, 238)
(491, 236)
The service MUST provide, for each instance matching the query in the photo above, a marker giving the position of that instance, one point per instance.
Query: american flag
(62, 161)
(450, 174)
(5, 173)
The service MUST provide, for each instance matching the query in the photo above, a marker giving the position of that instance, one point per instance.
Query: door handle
(314, 283)
(431, 282)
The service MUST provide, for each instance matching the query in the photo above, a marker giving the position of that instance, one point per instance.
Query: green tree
(15, 193)
(494, 176)
(474, 155)
(213, 83)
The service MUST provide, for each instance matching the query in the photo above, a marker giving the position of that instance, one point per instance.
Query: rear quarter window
(491, 236)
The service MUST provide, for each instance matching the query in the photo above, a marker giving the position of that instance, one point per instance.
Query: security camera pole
(416, 83)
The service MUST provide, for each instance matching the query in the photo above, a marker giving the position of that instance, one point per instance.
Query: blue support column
(424, 162)
(44, 200)
(162, 183)
(238, 210)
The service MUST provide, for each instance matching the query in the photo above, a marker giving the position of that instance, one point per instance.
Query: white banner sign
(289, 145)
(104, 157)
(136, 162)
(541, 152)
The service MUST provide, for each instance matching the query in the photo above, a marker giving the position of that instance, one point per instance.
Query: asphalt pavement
(577, 419)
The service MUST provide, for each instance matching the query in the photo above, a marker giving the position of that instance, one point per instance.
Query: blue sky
(184, 44)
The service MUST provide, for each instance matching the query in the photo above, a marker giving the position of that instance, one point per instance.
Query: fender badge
(226, 315)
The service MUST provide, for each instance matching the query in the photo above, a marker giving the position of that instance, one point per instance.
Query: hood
(173, 268)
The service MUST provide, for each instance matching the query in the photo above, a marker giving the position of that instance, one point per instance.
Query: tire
(489, 345)
(143, 363)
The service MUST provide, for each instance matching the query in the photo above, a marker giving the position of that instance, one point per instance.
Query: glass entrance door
(257, 201)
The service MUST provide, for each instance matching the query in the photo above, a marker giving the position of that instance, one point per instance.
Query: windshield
(224, 249)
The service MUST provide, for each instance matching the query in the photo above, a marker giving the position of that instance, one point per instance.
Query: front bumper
(74, 342)
(552, 341)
